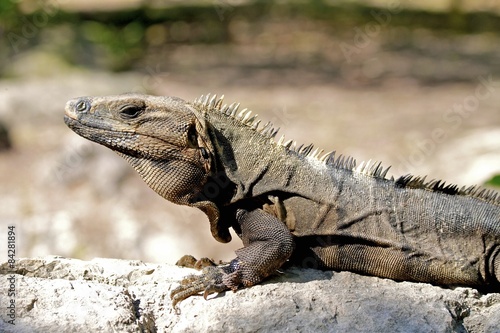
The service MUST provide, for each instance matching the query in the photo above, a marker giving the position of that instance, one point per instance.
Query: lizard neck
(255, 164)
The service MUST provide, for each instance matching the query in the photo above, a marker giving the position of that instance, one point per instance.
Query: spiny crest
(212, 103)
(410, 181)
(373, 169)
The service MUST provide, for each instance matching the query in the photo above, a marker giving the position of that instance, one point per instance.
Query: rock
(55, 294)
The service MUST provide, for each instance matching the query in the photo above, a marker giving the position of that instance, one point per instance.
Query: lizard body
(292, 203)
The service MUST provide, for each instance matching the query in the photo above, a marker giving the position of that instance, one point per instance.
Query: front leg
(267, 245)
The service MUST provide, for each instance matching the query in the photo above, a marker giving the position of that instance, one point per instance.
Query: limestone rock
(55, 294)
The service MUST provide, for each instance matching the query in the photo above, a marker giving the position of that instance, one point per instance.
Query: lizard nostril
(82, 106)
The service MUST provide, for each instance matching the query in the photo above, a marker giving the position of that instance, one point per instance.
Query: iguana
(290, 203)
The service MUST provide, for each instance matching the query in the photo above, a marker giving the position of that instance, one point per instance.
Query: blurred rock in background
(5, 142)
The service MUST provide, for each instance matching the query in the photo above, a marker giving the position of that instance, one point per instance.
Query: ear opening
(203, 143)
(192, 136)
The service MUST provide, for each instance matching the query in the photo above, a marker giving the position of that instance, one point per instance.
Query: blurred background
(414, 84)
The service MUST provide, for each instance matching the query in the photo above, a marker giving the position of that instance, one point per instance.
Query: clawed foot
(209, 282)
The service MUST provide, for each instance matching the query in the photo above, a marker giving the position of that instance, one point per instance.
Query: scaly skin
(289, 203)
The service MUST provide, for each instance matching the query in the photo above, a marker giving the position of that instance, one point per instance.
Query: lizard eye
(130, 111)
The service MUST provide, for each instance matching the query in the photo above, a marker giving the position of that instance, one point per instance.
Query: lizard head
(150, 127)
(160, 137)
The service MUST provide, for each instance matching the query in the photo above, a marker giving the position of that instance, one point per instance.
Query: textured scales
(369, 168)
(294, 203)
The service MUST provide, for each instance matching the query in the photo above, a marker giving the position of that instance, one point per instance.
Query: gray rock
(55, 294)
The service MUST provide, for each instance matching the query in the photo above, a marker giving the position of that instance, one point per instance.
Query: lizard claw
(209, 282)
(214, 289)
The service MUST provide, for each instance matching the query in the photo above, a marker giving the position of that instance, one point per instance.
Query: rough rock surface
(55, 294)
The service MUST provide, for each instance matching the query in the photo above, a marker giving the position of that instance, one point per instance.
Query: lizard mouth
(70, 121)
(81, 128)
(120, 141)
(87, 128)
(99, 134)
(75, 124)
(129, 142)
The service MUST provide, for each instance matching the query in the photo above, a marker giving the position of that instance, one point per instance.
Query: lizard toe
(210, 281)
(214, 289)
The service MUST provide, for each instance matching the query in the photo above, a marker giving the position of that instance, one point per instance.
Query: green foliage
(494, 181)
(9, 18)
(9, 14)
(119, 46)
(118, 40)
